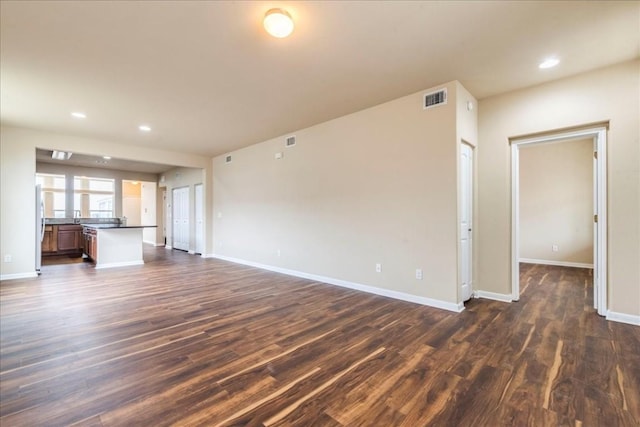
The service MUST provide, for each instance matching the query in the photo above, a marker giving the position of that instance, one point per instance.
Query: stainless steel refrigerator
(39, 227)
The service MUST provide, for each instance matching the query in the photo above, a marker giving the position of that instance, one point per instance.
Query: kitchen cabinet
(90, 238)
(64, 239)
(49, 240)
(69, 238)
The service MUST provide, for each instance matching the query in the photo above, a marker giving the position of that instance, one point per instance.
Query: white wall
(17, 185)
(376, 186)
(556, 202)
(609, 94)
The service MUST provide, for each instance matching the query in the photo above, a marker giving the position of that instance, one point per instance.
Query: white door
(198, 214)
(166, 216)
(466, 220)
(180, 232)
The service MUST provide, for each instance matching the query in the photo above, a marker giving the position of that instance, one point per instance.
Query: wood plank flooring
(201, 342)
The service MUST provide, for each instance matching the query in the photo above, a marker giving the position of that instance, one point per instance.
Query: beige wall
(376, 186)
(610, 94)
(17, 184)
(556, 201)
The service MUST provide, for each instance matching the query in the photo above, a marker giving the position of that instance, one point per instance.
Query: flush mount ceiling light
(106, 157)
(278, 23)
(79, 115)
(61, 155)
(549, 63)
(144, 128)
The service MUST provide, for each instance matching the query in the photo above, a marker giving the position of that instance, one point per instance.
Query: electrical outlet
(8, 258)
(378, 268)
(419, 273)
(554, 248)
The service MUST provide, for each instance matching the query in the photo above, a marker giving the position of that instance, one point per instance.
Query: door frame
(198, 211)
(599, 135)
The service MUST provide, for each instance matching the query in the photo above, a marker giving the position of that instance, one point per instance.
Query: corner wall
(375, 187)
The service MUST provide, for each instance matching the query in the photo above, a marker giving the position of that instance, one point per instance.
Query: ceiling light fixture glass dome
(278, 23)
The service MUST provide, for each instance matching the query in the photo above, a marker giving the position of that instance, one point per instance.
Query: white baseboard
(631, 319)
(13, 276)
(152, 243)
(351, 285)
(168, 247)
(493, 296)
(119, 264)
(558, 263)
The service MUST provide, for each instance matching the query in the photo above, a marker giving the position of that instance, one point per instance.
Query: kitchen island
(114, 245)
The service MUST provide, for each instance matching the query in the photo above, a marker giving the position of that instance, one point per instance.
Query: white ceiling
(208, 79)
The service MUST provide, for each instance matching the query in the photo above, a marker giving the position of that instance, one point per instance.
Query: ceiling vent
(291, 141)
(433, 99)
(227, 159)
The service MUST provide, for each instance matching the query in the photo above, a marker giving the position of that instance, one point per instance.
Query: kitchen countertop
(112, 226)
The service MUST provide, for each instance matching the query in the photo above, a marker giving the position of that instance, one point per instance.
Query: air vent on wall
(291, 141)
(434, 99)
(227, 159)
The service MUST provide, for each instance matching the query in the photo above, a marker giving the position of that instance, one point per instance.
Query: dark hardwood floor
(201, 342)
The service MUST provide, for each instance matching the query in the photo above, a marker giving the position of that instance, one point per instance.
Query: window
(53, 194)
(93, 197)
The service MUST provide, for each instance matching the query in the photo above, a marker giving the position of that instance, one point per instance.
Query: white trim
(191, 252)
(168, 247)
(599, 135)
(18, 276)
(119, 264)
(152, 243)
(351, 285)
(600, 207)
(558, 263)
(631, 319)
(493, 296)
(515, 229)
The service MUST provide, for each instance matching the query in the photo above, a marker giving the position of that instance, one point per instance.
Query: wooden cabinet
(90, 238)
(49, 240)
(70, 239)
(63, 239)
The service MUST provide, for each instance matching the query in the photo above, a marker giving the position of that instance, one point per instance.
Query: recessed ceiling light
(144, 128)
(61, 155)
(106, 157)
(278, 23)
(79, 115)
(549, 63)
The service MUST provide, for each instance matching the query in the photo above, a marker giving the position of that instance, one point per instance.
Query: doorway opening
(597, 135)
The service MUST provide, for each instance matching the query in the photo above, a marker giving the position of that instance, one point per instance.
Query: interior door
(180, 232)
(466, 220)
(198, 216)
